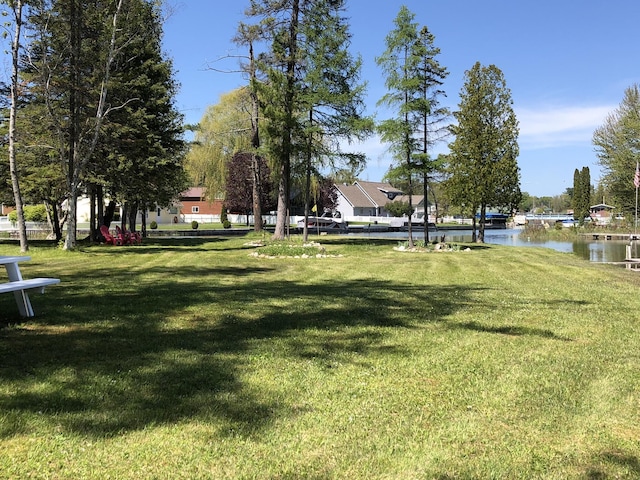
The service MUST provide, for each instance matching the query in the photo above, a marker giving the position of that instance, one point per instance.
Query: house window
(159, 212)
(173, 210)
(195, 209)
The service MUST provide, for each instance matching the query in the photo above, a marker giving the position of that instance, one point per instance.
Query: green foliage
(224, 219)
(153, 225)
(483, 166)
(581, 199)
(221, 133)
(452, 365)
(399, 208)
(617, 143)
(32, 213)
(194, 225)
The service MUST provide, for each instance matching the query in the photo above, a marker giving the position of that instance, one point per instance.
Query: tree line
(304, 101)
(91, 112)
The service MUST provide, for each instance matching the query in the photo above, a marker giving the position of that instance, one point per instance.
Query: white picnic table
(20, 286)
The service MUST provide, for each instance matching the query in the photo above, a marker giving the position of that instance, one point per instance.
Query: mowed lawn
(192, 359)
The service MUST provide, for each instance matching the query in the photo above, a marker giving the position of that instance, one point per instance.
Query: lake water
(592, 250)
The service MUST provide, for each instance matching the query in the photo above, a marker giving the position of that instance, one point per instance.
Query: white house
(368, 199)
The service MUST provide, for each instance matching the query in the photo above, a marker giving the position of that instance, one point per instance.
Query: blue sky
(566, 62)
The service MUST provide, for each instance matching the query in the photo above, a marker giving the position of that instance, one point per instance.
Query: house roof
(379, 193)
(193, 192)
(374, 194)
(355, 196)
(415, 199)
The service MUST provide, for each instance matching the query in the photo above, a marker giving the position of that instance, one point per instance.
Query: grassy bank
(190, 358)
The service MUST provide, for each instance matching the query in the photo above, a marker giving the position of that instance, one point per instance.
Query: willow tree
(617, 145)
(483, 166)
(221, 133)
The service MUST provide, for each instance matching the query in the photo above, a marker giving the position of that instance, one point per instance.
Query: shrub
(194, 225)
(223, 217)
(32, 213)
(153, 225)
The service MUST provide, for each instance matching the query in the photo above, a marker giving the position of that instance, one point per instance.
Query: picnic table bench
(20, 286)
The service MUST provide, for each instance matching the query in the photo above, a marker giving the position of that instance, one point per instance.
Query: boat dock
(613, 236)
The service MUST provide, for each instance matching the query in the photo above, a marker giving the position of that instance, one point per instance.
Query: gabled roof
(355, 196)
(193, 192)
(379, 193)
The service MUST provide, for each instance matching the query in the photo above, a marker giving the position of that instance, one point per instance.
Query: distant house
(368, 199)
(601, 213)
(194, 205)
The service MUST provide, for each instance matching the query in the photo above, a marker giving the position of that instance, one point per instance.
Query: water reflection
(584, 247)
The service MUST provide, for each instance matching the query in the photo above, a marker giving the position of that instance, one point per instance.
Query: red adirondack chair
(108, 238)
(123, 236)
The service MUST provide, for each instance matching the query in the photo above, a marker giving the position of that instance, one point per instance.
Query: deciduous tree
(239, 185)
(617, 145)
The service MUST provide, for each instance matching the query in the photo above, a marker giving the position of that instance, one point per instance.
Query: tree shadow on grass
(116, 352)
(614, 461)
(512, 330)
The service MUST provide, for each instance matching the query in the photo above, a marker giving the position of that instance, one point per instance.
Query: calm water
(592, 250)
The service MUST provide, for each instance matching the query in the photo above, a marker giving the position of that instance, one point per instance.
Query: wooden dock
(628, 237)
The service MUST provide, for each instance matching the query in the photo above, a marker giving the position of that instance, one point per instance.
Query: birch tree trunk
(15, 51)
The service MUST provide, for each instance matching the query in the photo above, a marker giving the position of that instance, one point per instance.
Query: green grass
(190, 358)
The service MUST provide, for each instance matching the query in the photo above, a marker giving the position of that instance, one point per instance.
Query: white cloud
(559, 126)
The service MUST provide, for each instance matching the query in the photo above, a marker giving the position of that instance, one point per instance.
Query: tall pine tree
(483, 166)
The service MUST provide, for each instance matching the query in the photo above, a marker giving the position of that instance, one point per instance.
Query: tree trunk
(143, 222)
(13, 168)
(93, 232)
(256, 193)
(426, 207)
(282, 218)
(474, 236)
(255, 143)
(483, 216)
(109, 213)
(133, 213)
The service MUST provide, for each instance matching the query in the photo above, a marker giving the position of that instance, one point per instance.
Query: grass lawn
(190, 358)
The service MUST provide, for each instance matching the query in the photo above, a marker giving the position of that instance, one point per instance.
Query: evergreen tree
(331, 97)
(432, 115)
(399, 66)
(279, 25)
(97, 81)
(142, 140)
(308, 95)
(483, 162)
(413, 78)
(581, 200)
